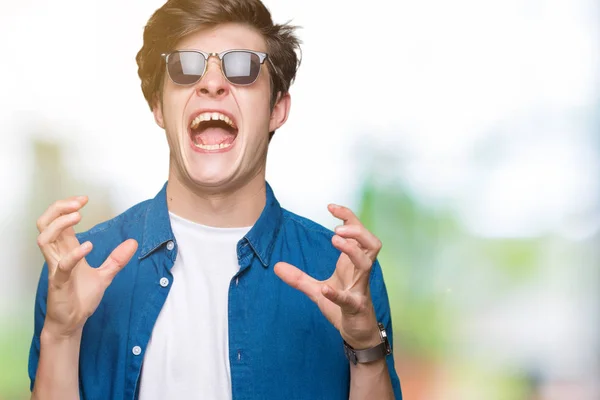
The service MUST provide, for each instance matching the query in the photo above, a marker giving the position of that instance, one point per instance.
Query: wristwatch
(374, 353)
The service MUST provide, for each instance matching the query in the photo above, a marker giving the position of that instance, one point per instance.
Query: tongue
(213, 135)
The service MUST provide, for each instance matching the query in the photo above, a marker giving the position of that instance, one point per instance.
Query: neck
(231, 207)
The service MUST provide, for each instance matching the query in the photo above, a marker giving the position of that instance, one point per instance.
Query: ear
(280, 112)
(157, 111)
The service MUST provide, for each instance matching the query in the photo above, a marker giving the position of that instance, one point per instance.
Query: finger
(298, 280)
(56, 227)
(118, 259)
(359, 258)
(58, 208)
(343, 213)
(65, 265)
(363, 236)
(348, 303)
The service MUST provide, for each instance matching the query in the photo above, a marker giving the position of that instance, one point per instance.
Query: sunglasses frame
(261, 57)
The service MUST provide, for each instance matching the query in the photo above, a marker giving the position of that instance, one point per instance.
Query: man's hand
(344, 298)
(74, 288)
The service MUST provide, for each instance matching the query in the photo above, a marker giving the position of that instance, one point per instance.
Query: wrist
(372, 353)
(372, 368)
(51, 335)
(366, 339)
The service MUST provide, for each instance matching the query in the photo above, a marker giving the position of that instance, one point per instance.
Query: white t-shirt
(188, 354)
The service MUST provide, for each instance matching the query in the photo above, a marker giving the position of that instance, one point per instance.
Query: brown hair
(178, 18)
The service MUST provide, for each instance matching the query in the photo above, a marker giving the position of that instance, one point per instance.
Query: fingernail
(341, 229)
(80, 198)
(86, 245)
(339, 239)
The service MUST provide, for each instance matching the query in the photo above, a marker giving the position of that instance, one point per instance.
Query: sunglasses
(240, 67)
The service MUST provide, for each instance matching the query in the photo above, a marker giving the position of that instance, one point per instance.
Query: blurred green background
(467, 138)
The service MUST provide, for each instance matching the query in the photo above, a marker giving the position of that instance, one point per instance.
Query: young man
(211, 290)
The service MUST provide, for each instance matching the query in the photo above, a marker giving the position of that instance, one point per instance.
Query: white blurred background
(466, 133)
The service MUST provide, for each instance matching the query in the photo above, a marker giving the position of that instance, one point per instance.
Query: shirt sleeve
(383, 313)
(39, 317)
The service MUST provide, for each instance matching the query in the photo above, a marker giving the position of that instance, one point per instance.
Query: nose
(213, 83)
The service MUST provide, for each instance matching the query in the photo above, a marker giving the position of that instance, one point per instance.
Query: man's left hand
(344, 298)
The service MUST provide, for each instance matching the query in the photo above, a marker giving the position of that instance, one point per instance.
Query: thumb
(298, 279)
(118, 259)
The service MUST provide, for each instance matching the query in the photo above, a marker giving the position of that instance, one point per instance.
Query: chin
(206, 179)
(210, 181)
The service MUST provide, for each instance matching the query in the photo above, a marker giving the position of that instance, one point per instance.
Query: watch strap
(372, 354)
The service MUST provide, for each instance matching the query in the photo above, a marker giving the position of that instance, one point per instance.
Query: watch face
(384, 339)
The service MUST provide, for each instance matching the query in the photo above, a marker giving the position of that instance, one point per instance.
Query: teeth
(214, 116)
(212, 146)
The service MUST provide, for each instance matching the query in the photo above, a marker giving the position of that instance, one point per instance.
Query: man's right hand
(74, 288)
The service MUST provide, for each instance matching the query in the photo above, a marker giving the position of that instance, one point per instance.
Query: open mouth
(212, 131)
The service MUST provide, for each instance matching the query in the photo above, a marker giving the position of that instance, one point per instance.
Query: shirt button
(137, 350)
(170, 245)
(164, 282)
(237, 281)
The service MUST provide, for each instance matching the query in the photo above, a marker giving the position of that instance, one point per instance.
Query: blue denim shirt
(280, 345)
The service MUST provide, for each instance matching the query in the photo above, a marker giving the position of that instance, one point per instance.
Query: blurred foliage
(438, 276)
(410, 235)
(15, 338)
(51, 181)
(428, 255)
(517, 258)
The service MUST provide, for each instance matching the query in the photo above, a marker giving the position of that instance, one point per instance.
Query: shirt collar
(264, 233)
(157, 226)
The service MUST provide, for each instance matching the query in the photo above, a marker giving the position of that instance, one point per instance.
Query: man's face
(210, 153)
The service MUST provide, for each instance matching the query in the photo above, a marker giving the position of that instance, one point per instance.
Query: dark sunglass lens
(186, 67)
(241, 67)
